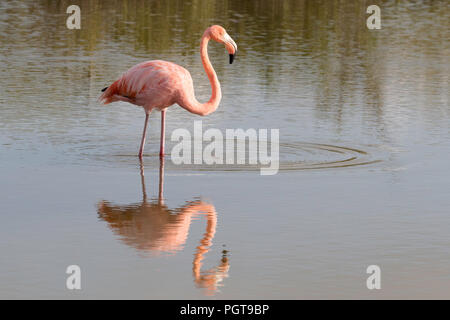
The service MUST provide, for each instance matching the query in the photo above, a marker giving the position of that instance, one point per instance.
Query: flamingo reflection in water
(150, 226)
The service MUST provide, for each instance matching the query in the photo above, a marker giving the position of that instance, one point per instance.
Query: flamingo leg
(144, 133)
(161, 182)
(163, 133)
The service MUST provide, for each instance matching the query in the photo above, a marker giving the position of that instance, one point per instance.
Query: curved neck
(188, 101)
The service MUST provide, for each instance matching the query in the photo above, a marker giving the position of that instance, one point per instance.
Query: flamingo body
(151, 84)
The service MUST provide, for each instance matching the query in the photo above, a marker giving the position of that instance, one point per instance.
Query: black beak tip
(231, 58)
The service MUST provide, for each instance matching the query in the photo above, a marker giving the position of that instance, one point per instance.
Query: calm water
(367, 110)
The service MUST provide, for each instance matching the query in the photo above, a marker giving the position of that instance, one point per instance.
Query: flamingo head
(219, 34)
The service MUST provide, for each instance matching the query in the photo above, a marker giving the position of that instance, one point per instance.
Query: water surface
(364, 123)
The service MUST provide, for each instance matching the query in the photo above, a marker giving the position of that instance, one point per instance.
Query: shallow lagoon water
(364, 148)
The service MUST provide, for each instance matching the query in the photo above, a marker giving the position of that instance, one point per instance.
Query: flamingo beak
(231, 47)
(232, 58)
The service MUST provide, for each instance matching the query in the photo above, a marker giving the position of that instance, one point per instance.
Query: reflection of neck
(205, 243)
(208, 279)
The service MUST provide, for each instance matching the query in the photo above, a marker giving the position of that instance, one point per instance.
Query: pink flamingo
(159, 84)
